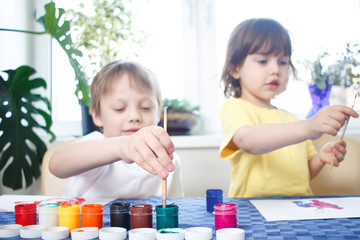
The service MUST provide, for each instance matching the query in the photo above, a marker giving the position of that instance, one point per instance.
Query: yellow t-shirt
(283, 172)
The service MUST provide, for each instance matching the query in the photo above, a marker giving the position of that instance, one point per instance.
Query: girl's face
(262, 77)
(125, 109)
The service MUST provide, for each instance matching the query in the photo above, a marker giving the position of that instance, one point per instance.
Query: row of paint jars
(91, 215)
(53, 214)
(141, 216)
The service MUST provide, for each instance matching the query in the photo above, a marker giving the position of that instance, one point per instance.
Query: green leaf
(51, 21)
(22, 148)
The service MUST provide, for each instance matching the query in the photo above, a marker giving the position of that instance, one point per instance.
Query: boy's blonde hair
(141, 78)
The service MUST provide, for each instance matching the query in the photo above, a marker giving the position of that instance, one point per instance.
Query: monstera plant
(21, 147)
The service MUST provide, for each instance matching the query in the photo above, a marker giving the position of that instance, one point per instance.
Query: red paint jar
(141, 216)
(225, 215)
(25, 214)
(92, 215)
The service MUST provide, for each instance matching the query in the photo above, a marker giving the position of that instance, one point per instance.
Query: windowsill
(70, 130)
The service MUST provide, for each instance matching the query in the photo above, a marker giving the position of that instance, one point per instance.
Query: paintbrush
(164, 183)
(347, 121)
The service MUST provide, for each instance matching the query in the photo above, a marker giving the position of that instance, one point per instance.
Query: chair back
(342, 180)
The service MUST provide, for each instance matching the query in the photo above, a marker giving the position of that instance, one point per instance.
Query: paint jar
(198, 233)
(92, 215)
(48, 214)
(25, 214)
(112, 233)
(31, 231)
(84, 233)
(142, 234)
(225, 215)
(141, 216)
(170, 234)
(230, 234)
(69, 216)
(55, 233)
(167, 217)
(120, 215)
(213, 196)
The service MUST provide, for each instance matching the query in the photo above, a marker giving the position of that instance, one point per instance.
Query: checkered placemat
(193, 214)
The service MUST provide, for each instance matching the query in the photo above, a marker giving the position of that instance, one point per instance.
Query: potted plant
(21, 144)
(339, 73)
(181, 116)
(102, 37)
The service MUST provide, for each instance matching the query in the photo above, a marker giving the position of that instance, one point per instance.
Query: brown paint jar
(141, 216)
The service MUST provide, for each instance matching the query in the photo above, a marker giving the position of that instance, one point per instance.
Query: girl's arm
(145, 147)
(331, 153)
(264, 138)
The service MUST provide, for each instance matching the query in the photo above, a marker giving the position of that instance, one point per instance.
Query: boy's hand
(333, 153)
(152, 149)
(329, 120)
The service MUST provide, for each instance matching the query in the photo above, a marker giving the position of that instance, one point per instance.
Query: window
(187, 41)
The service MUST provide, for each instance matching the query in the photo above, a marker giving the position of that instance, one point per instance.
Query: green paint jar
(167, 217)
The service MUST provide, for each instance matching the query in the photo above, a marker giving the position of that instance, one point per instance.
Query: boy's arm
(144, 147)
(264, 138)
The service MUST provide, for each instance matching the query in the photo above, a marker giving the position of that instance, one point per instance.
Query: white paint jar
(48, 214)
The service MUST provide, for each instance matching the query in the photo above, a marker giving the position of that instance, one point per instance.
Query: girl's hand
(152, 149)
(329, 120)
(333, 153)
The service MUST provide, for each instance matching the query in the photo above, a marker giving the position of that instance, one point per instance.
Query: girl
(270, 151)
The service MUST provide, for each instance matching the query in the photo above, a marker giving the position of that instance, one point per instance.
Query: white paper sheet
(7, 202)
(308, 208)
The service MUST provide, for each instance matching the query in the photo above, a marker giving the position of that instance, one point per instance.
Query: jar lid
(111, 233)
(142, 209)
(170, 234)
(142, 234)
(225, 209)
(230, 234)
(168, 210)
(214, 192)
(84, 233)
(119, 207)
(31, 231)
(198, 233)
(25, 208)
(69, 209)
(10, 230)
(55, 232)
(92, 209)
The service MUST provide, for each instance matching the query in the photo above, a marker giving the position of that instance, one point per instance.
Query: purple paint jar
(225, 215)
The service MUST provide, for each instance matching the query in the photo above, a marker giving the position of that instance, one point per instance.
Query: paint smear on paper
(316, 203)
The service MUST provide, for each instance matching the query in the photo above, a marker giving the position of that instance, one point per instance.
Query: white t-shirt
(122, 180)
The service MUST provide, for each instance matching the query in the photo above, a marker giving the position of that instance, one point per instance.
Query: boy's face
(125, 109)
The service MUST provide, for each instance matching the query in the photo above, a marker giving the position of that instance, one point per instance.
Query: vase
(320, 98)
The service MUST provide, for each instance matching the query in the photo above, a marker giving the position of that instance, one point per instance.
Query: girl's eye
(119, 109)
(284, 63)
(262, 61)
(146, 108)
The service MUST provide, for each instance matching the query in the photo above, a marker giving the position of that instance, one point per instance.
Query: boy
(126, 105)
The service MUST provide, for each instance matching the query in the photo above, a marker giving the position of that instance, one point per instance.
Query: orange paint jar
(92, 215)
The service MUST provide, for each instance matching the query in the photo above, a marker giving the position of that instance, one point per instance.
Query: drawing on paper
(316, 203)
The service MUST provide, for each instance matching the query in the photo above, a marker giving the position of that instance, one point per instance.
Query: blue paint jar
(213, 196)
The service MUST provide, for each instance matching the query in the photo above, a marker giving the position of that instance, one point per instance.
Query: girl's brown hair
(253, 36)
(142, 78)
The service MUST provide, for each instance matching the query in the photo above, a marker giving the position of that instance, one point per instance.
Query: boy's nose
(134, 116)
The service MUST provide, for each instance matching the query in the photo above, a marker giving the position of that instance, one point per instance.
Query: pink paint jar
(25, 214)
(225, 215)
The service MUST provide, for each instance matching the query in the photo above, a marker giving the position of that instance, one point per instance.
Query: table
(193, 214)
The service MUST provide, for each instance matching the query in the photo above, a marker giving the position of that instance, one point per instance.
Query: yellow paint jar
(69, 216)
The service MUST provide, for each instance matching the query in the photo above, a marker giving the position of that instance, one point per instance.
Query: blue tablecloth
(193, 214)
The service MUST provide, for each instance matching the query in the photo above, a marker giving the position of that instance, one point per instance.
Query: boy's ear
(235, 72)
(96, 118)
